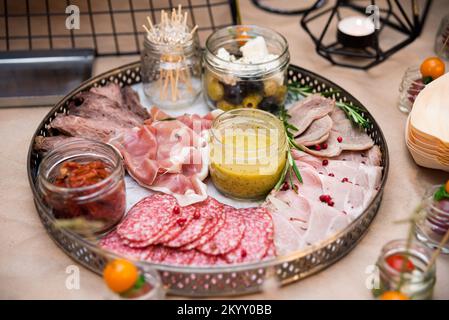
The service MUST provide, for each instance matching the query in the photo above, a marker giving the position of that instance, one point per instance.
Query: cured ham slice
(358, 173)
(371, 157)
(316, 133)
(322, 221)
(343, 136)
(166, 155)
(304, 112)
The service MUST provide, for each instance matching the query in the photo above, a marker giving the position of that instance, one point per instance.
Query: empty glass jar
(442, 39)
(409, 89)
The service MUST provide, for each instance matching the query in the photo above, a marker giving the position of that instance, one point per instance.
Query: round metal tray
(225, 280)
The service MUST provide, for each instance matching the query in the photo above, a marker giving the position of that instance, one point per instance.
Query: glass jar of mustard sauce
(417, 282)
(231, 80)
(248, 153)
(103, 201)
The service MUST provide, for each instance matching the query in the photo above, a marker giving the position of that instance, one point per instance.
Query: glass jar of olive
(245, 67)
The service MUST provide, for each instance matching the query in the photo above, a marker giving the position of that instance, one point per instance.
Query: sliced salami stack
(208, 233)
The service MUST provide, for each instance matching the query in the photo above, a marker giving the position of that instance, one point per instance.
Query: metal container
(226, 280)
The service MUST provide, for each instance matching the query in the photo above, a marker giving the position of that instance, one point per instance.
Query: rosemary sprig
(290, 166)
(295, 90)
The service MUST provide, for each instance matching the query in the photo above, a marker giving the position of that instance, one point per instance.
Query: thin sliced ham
(343, 136)
(305, 111)
(358, 173)
(167, 155)
(316, 133)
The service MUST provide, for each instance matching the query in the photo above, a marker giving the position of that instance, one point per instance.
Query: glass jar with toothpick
(171, 61)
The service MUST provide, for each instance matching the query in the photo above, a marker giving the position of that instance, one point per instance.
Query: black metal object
(110, 27)
(40, 78)
(300, 10)
(401, 22)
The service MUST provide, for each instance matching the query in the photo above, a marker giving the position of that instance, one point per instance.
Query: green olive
(226, 106)
(270, 87)
(252, 101)
(215, 90)
(281, 94)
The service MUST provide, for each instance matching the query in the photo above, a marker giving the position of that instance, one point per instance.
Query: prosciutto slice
(304, 112)
(167, 155)
(343, 136)
(316, 133)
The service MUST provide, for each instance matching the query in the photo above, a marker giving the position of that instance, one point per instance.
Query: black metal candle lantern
(299, 7)
(361, 34)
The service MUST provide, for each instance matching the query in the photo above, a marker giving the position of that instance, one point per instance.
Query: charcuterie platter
(208, 277)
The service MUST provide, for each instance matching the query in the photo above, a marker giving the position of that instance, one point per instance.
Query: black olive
(233, 94)
(251, 87)
(269, 104)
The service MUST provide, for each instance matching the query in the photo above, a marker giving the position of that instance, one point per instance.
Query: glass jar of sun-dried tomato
(84, 180)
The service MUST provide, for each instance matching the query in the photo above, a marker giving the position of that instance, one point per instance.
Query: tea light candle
(356, 32)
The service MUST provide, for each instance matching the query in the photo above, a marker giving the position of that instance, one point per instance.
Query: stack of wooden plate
(427, 129)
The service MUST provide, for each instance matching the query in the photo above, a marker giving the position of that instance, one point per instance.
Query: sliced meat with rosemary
(305, 111)
(343, 136)
(316, 133)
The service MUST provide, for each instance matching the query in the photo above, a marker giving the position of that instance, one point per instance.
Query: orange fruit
(432, 67)
(393, 295)
(446, 187)
(120, 275)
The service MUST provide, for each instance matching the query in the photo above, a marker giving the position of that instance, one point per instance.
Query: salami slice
(114, 243)
(157, 254)
(183, 218)
(194, 229)
(228, 237)
(215, 209)
(149, 219)
(256, 239)
(200, 259)
(179, 257)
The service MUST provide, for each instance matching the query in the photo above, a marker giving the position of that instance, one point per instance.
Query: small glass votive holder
(153, 287)
(410, 87)
(433, 221)
(442, 39)
(416, 284)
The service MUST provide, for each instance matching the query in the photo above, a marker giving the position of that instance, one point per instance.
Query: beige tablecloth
(32, 266)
